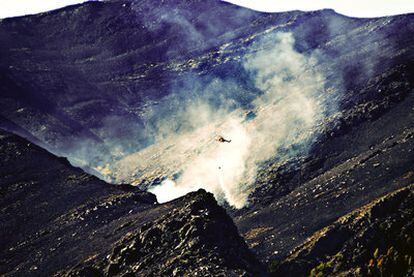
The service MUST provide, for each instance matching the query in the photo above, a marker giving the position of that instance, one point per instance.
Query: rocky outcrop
(196, 238)
(375, 240)
(55, 216)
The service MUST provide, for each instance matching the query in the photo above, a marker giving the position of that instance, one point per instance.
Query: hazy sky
(357, 8)
(9, 8)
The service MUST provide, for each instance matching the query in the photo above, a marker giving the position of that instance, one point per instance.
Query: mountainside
(52, 213)
(55, 216)
(121, 230)
(344, 173)
(316, 111)
(67, 76)
(96, 76)
(195, 238)
(373, 240)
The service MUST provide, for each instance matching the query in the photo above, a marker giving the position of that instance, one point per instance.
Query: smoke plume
(290, 104)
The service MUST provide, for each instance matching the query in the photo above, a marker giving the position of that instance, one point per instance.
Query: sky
(11, 8)
(355, 8)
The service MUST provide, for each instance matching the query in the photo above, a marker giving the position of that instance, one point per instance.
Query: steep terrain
(344, 173)
(95, 82)
(376, 239)
(54, 216)
(91, 76)
(196, 238)
(83, 76)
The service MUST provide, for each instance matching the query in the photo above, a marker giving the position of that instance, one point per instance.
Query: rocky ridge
(195, 238)
(374, 240)
(55, 216)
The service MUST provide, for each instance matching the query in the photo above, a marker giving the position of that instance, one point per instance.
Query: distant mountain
(87, 76)
(68, 76)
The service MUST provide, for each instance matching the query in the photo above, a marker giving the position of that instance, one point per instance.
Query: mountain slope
(94, 82)
(68, 75)
(344, 173)
(55, 216)
(88, 76)
(48, 206)
(376, 239)
(196, 237)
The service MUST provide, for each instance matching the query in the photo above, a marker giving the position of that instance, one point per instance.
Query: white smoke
(290, 108)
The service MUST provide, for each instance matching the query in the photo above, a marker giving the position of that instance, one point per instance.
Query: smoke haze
(290, 105)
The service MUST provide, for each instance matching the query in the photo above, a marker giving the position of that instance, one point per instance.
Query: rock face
(55, 216)
(376, 239)
(52, 213)
(196, 238)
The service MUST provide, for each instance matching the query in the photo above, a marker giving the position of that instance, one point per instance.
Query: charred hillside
(374, 240)
(111, 85)
(346, 171)
(90, 228)
(196, 237)
(52, 213)
(55, 216)
(69, 74)
(87, 76)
